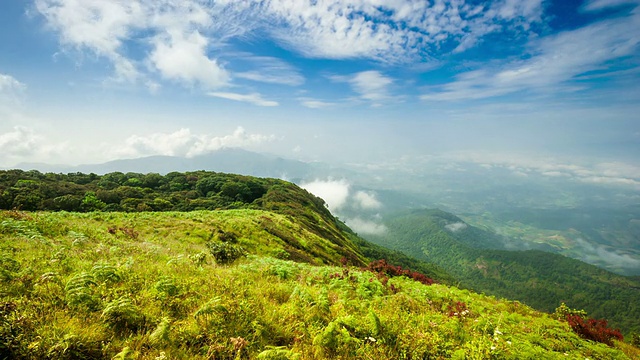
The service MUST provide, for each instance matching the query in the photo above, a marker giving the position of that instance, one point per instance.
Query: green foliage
(79, 291)
(160, 336)
(149, 297)
(278, 353)
(563, 311)
(226, 253)
(121, 314)
(537, 278)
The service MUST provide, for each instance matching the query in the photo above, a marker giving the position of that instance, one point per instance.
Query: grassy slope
(149, 289)
(540, 279)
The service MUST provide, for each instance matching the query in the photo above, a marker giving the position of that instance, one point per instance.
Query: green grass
(145, 286)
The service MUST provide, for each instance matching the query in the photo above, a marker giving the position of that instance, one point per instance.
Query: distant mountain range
(228, 160)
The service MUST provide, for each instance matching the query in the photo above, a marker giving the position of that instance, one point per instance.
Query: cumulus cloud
(366, 200)
(184, 143)
(24, 144)
(253, 98)
(392, 30)
(334, 192)
(366, 227)
(186, 38)
(183, 57)
(455, 227)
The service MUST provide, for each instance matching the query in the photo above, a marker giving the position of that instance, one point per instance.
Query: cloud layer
(185, 40)
(184, 143)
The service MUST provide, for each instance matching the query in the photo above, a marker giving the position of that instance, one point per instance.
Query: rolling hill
(537, 278)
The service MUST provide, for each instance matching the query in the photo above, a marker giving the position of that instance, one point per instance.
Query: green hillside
(265, 272)
(537, 278)
(157, 286)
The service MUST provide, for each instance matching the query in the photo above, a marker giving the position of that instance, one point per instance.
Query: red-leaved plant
(592, 329)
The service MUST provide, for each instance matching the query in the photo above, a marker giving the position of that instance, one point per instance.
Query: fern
(122, 314)
(166, 288)
(106, 274)
(79, 291)
(278, 353)
(125, 354)
(160, 335)
(210, 307)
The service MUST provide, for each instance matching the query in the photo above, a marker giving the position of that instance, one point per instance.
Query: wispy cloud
(184, 143)
(555, 63)
(270, 70)
(371, 86)
(603, 173)
(597, 5)
(315, 104)
(12, 92)
(186, 38)
(253, 98)
(10, 86)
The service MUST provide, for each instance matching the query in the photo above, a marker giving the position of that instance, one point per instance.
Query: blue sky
(369, 81)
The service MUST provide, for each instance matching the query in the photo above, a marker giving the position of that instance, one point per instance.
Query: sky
(361, 82)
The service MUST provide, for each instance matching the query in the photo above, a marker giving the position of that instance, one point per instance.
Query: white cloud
(315, 104)
(455, 227)
(371, 86)
(593, 253)
(24, 144)
(253, 98)
(271, 70)
(99, 26)
(183, 57)
(366, 227)
(597, 5)
(183, 34)
(9, 85)
(366, 200)
(184, 143)
(554, 62)
(11, 95)
(605, 173)
(391, 30)
(334, 192)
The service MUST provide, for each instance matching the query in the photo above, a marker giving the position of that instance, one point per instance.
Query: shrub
(382, 268)
(226, 253)
(592, 329)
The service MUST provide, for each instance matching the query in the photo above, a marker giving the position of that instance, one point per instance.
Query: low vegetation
(540, 279)
(73, 288)
(278, 278)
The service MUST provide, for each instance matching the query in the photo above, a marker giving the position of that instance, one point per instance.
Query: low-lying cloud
(594, 253)
(184, 143)
(455, 227)
(339, 198)
(333, 192)
(366, 227)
